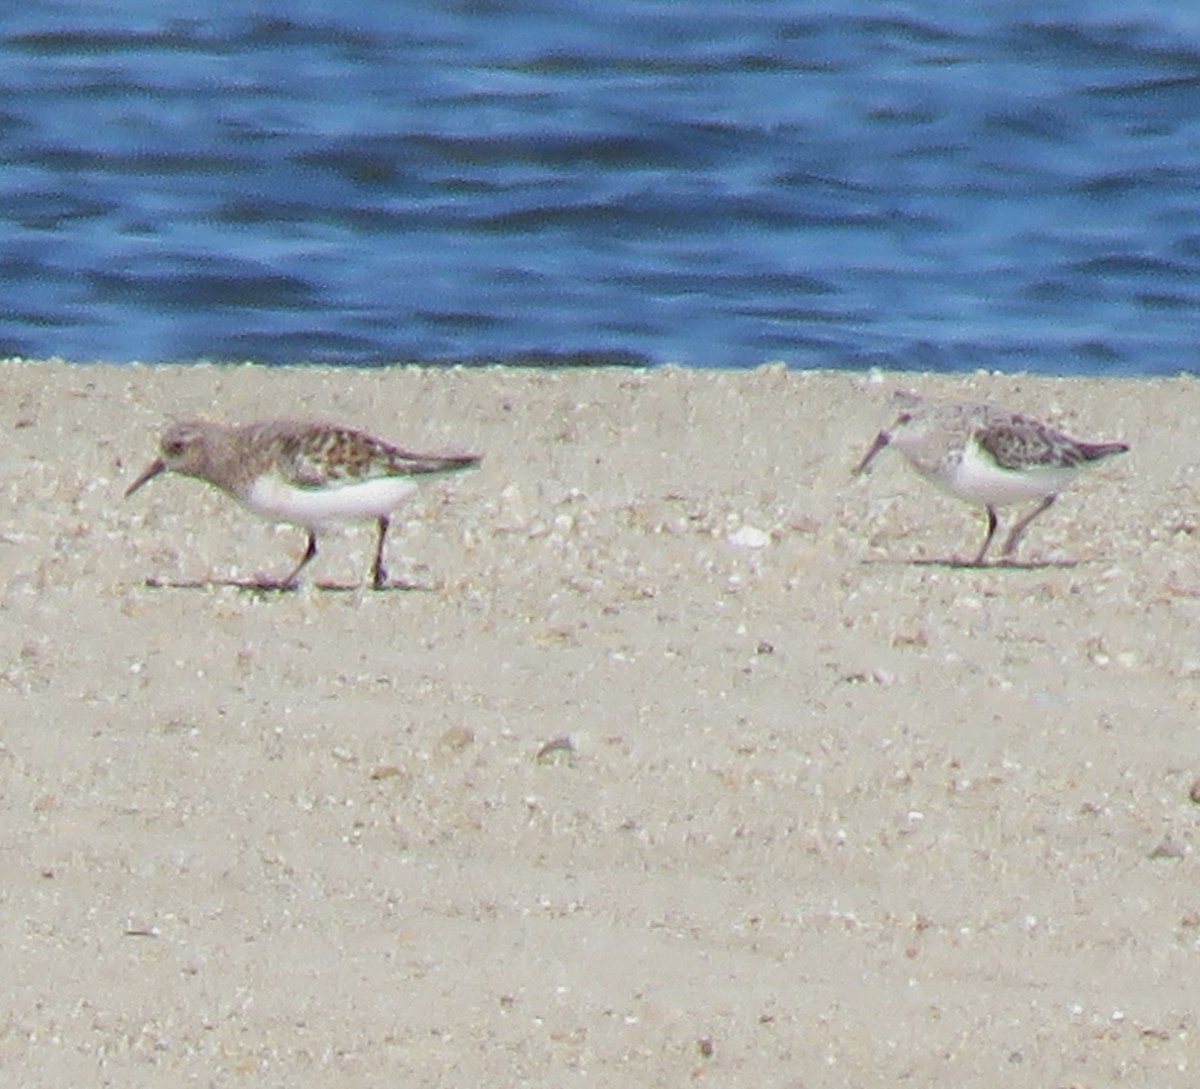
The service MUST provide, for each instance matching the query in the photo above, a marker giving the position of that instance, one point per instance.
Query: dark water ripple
(947, 186)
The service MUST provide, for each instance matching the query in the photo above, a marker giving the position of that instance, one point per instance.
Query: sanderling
(988, 455)
(311, 475)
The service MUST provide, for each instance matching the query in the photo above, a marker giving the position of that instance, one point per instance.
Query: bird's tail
(428, 464)
(1094, 451)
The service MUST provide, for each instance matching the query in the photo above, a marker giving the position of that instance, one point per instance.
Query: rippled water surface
(709, 182)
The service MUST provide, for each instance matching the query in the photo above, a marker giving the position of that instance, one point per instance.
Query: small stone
(559, 750)
(457, 738)
(1168, 848)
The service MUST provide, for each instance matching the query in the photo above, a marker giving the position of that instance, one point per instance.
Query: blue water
(717, 183)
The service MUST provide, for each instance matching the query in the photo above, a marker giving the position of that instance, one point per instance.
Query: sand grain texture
(825, 814)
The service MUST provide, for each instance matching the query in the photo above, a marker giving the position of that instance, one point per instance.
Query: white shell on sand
(749, 537)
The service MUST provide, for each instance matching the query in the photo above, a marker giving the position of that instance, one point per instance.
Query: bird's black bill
(881, 440)
(152, 470)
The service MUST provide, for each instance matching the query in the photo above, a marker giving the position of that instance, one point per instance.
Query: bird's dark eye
(904, 417)
(173, 449)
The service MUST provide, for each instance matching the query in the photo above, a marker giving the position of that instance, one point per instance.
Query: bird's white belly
(979, 479)
(315, 508)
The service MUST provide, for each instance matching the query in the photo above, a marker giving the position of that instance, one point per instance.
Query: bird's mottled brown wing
(314, 456)
(1018, 443)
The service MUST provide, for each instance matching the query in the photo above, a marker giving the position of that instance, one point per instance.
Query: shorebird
(988, 455)
(311, 475)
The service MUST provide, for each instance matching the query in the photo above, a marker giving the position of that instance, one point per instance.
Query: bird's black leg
(987, 540)
(1010, 546)
(378, 572)
(293, 579)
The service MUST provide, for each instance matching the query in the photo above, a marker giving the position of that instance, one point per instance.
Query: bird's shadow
(266, 588)
(956, 564)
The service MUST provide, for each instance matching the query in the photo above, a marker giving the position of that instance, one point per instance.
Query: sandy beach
(684, 760)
